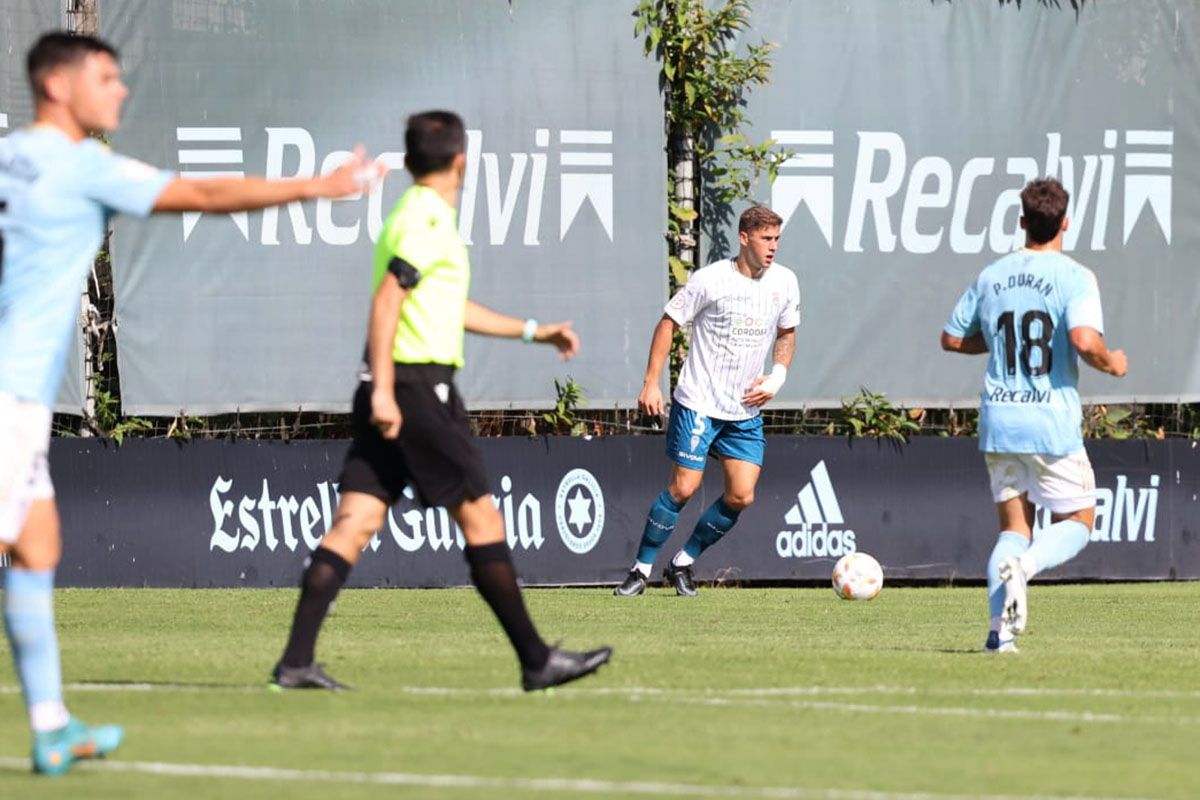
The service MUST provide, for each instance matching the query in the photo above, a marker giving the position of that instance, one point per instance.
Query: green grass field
(773, 693)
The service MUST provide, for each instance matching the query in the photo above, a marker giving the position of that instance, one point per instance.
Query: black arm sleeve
(406, 274)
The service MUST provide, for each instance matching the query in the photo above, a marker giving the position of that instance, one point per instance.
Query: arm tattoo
(785, 347)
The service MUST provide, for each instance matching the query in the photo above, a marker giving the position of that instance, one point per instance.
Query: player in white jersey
(58, 189)
(740, 310)
(1035, 312)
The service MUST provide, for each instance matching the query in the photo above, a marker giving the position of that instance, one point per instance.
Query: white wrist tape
(531, 326)
(774, 381)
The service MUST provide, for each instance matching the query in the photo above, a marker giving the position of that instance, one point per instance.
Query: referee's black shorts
(434, 452)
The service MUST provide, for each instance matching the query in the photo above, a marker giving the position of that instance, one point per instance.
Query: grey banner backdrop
(915, 124)
(563, 201)
(160, 513)
(24, 21)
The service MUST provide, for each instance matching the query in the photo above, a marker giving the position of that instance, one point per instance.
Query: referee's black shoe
(633, 585)
(308, 677)
(564, 666)
(681, 579)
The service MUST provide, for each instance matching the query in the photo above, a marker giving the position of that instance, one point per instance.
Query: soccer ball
(857, 576)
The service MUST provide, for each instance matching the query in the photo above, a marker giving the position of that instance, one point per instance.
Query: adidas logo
(815, 522)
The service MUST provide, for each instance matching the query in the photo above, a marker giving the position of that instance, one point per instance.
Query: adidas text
(815, 542)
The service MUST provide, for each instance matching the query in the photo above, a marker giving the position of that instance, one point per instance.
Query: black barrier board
(242, 513)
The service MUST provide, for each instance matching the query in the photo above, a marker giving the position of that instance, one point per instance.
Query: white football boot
(1016, 601)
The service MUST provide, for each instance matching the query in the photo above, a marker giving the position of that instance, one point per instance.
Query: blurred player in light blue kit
(58, 189)
(1035, 312)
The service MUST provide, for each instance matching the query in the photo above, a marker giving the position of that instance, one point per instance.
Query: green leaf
(1118, 415)
(679, 270)
(684, 214)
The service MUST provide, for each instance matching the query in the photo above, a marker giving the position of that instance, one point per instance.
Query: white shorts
(1060, 483)
(24, 467)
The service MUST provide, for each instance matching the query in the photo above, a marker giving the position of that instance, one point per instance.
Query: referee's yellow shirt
(423, 230)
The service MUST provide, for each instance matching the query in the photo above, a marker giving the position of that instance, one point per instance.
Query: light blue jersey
(55, 200)
(1025, 304)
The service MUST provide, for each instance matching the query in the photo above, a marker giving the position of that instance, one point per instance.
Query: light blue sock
(29, 620)
(1009, 544)
(660, 524)
(714, 523)
(1057, 544)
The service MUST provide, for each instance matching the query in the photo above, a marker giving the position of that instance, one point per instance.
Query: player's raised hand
(385, 414)
(352, 177)
(559, 334)
(650, 401)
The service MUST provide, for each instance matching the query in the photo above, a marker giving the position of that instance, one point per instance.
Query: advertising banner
(160, 513)
(913, 128)
(562, 205)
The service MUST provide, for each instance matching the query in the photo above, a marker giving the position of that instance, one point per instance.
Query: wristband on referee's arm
(774, 381)
(530, 330)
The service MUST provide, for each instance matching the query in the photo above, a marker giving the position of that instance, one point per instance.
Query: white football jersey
(734, 322)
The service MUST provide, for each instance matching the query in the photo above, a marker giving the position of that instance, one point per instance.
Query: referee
(410, 426)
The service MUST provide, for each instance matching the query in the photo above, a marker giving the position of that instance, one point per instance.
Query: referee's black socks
(493, 574)
(326, 573)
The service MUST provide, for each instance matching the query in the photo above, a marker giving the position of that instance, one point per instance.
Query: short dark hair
(59, 49)
(1044, 205)
(755, 218)
(432, 140)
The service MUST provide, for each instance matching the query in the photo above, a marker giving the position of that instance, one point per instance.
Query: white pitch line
(779, 697)
(578, 785)
(931, 711)
(785, 691)
(774, 691)
(1003, 691)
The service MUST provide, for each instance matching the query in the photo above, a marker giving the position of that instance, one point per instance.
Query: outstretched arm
(483, 320)
(970, 346)
(1092, 349)
(765, 387)
(381, 333)
(650, 400)
(247, 194)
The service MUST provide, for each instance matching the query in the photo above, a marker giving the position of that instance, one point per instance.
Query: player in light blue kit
(1035, 312)
(58, 189)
